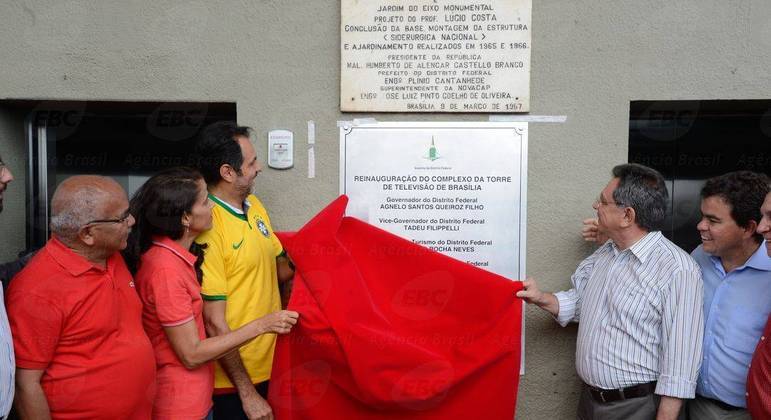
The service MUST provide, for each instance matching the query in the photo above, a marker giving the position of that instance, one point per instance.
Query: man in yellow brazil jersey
(242, 259)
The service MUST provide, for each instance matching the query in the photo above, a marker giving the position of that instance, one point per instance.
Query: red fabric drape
(390, 329)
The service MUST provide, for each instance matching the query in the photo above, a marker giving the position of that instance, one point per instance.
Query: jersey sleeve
(214, 284)
(278, 249)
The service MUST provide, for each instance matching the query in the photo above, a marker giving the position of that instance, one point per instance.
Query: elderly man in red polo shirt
(80, 348)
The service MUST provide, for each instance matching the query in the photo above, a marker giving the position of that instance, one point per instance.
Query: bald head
(81, 199)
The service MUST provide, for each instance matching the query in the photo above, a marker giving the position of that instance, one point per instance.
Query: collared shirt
(640, 313)
(171, 296)
(736, 306)
(7, 362)
(82, 326)
(240, 267)
(759, 379)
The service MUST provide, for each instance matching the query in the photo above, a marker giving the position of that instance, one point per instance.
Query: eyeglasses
(123, 219)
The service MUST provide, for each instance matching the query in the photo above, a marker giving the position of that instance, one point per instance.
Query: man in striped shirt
(638, 301)
(7, 362)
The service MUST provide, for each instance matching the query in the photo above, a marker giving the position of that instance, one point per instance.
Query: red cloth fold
(390, 329)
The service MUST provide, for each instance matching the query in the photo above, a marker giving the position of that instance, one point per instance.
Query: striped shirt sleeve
(568, 306)
(681, 341)
(7, 362)
(570, 300)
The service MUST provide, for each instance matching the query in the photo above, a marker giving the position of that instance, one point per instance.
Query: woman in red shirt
(171, 209)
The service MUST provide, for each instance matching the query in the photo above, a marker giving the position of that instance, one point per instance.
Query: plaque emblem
(433, 152)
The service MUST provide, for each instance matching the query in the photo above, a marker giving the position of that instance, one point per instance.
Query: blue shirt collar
(759, 260)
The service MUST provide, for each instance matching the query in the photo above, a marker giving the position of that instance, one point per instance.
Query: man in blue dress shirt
(737, 291)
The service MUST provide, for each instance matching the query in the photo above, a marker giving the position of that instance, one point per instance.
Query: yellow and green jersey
(240, 267)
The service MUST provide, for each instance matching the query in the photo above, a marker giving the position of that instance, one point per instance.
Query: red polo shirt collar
(74, 263)
(175, 248)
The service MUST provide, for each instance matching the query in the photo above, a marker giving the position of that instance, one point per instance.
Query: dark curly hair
(744, 192)
(158, 207)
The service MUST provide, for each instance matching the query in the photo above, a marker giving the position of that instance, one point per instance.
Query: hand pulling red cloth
(390, 329)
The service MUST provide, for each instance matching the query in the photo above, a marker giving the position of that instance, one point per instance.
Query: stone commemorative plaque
(435, 56)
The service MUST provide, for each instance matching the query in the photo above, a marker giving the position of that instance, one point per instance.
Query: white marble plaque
(435, 56)
(457, 188)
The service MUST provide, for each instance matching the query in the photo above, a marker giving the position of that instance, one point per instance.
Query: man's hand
(591, 231)
(531, 294)
(256, 408)
(669, 408)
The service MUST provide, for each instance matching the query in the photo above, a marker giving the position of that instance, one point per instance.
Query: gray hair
(643, 189)
(71, 209)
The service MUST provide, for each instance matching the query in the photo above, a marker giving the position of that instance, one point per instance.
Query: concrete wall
(279, 61)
